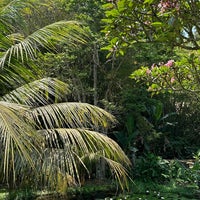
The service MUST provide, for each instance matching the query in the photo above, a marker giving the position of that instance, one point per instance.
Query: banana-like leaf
(39, 92)
(17, 136)
(71, 114)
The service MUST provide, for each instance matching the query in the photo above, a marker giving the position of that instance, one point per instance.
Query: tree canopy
(173, 22)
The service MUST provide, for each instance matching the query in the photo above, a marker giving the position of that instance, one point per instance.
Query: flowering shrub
(159, 77)
(166, 5)
(171, 76)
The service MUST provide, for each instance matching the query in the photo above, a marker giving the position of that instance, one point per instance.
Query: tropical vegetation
(41, 135)
(99, 97)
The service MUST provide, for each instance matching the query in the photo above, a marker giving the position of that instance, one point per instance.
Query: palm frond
(10, 14)
(16, 135)
(84, 141)
(39, 92)
(15, 107)
(56, 161)
(71, 114)
(17, 74)
(46, 37)
(119, 172)
(78, 144)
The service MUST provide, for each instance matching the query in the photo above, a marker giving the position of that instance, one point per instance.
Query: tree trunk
(96, 64)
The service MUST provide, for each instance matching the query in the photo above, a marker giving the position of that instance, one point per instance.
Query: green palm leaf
(83, 141)
(17, 74)
(39, 92)
(79, 144)
(16, 137)
(71, 114)
(10, 14)
(119, 172)
(47, 142)
(25, 48)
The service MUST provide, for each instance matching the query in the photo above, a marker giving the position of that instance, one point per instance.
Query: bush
(151, 167)
(25, 194)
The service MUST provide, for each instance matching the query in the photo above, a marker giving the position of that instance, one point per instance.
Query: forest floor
(138, 191)
(106, 191)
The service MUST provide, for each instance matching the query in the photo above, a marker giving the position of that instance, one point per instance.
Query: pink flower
(148, 71)
(172, 80)
(169, 63)
(153, 65)
(165, 5)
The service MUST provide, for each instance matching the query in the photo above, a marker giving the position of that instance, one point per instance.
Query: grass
(152, 191)
(138, 191)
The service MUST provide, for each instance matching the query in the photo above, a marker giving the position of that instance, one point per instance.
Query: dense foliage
(172, 78)
(138, 60)
(170, 21)
(45, 140)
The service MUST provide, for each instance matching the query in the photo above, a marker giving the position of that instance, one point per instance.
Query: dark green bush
(23, 194)
(151, 167)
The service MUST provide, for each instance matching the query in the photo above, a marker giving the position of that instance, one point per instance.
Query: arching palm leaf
(10, 14)
(25, 48)
(16, 137)
(71, 114)
(77, 145)
(38, 92)
(83, 142)
(119, 172)
(18, 74)
(64, 149)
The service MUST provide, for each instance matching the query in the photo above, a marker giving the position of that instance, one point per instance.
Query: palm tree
(43, 139)
(52, 138)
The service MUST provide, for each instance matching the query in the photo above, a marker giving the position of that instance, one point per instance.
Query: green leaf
(107, 48)
(154, 86)
(121, 52)
(121, 5)
(108, 6)
(148, 1)
(112, 13)
(114, 40)
(158, 111)
(157, 24)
